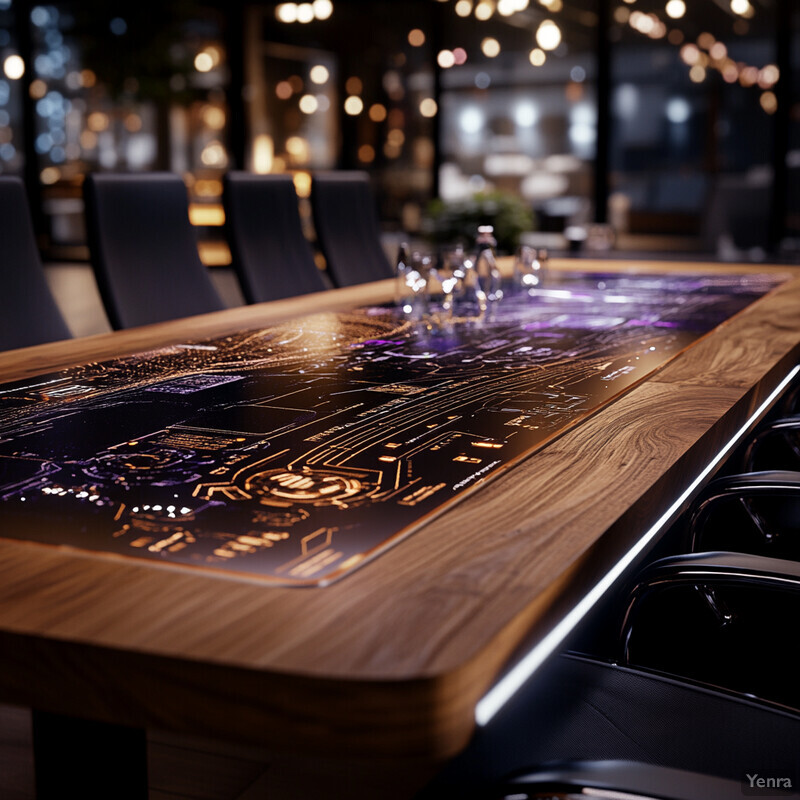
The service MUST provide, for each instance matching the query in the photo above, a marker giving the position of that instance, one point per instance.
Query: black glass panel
(297, 451)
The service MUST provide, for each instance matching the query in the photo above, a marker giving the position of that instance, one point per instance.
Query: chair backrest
(632, 779)
(751, 512)
(347, 227)
(28, 313)
(723, 619)
(271, 256)
(144, 250)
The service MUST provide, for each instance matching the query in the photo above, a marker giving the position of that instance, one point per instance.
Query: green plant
(458, 221)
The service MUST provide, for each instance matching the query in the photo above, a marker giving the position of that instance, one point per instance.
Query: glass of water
(413, 273)
(451, 271)
(528, 269)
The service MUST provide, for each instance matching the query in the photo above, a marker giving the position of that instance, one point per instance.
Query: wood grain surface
(390, 661)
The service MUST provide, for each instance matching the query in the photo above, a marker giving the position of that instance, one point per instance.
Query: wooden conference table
(385, 666)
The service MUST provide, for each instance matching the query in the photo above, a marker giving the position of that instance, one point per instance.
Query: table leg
(87, 759)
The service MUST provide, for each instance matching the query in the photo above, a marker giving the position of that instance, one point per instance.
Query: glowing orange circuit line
(473, 395)
(408, 416)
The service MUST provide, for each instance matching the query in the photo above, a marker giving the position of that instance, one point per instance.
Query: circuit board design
(297, 452)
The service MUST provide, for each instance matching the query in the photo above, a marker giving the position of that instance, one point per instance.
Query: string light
(203, 62)
(548, 35)
(537, 57)
(490, 47)
(675, 9)
(377, 112)
(14, 67)
(308, 104)
(353, 105)
(284, 90)
(768, 76)
(748, 76)
(428, 107)
(319, 74)
(445, 59)
(286, 12)
(697, 74)
(706, 40)
(322, 9)
(304, 12)
(484, 10)
(354, 85)
(769, 102)
(416, 38)
(707, 54)
(730, 72)
(718, 51)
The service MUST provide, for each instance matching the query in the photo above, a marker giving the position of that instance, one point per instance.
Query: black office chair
(28, 313)
(578, 709)
(757, 513)
(703, 680)
(790, 402)
(775, 445)
(618, 779)
(722, 619)
(144, 250)
(347, 228)
(755, 507)
(271, 256)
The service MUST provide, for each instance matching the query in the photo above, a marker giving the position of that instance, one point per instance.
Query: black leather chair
(757, 512)
(790, 402)
(144, 250)
(347, 228)
(28, 313)
(722, 619)
(618, 779)
(271, 256)
(755, 506)
(775, 445)
(578, 709)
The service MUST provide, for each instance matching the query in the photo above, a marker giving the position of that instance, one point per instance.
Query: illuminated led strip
(513, 680)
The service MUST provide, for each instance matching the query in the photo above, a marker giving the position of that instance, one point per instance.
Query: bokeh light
(353, 105)
(14, 67)
(428, 107)
(548, 35)
(490, 47)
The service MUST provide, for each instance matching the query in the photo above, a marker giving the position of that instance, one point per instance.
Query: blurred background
(676, 122)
